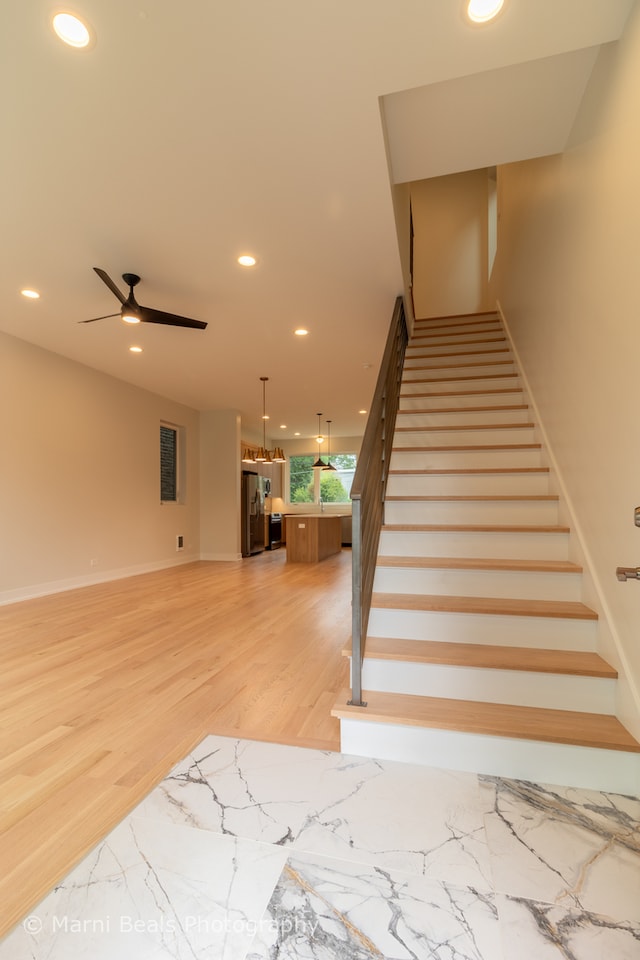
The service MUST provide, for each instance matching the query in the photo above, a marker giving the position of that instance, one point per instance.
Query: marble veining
(576, 848)
(543, 931)
(154, 891)
(260, 791)
(258, 851)
(419, 820)
(324, 908)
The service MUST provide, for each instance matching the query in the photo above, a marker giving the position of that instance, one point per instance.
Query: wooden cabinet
(312, 537)
(272, 472)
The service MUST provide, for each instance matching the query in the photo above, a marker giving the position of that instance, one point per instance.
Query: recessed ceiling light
(301, 332)
(30, 294)
(247, 261)
(135, 349)
(481, 11)
(362, 411)
(297, 433)
(283, 426)
(71, 30)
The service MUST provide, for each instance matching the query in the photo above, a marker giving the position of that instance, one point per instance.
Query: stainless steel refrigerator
(254, 489)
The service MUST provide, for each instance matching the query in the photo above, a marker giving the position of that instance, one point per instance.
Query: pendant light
(263, 454)
(319, 439)
(329, 465)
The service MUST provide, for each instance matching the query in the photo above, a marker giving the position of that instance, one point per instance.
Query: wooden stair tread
(455, 337)
(414, 345)
(488, 656)
(463, 319)
(449, 353)
(481, 563)
(493, 606)
(426, 328)
(458, 393)
(475, 470)
(467, 426)
(473, 376)
(488, 409)
(493, 719)
(496, 498)
(468, 448)
(475, 528)
(457, 316)
(458, 366)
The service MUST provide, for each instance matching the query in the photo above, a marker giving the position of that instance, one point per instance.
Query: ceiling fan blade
(148, 315)
(109, 282)
(106, 317)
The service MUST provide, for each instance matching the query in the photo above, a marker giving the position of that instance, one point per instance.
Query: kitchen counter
(312, 537)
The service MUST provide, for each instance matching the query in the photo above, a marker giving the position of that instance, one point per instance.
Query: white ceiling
(194, 132)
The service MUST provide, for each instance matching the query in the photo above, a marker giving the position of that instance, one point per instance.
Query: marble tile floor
(257, 851)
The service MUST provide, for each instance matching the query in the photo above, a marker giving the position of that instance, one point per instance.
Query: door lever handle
(628, 573)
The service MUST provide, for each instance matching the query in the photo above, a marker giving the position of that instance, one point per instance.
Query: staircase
(480, 654)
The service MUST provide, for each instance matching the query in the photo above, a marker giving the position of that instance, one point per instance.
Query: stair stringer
(609, 644)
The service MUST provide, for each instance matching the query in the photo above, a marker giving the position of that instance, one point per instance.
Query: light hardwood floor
(105, 688)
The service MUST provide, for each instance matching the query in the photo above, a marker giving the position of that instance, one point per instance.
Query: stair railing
(368, 490)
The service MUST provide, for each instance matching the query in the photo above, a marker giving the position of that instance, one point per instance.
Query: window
(168, 463)
(307, 485)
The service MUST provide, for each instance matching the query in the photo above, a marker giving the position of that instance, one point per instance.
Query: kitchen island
(312, 537)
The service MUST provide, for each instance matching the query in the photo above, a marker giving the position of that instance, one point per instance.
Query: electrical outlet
(180, 542)
(93, 563)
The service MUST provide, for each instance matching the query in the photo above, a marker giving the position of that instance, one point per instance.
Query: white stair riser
(482, 353)
(463, 400)
(426, 386)
(447, 484)
(515, 433)
(464, 326)
(501, 545)
(552, 633)
(458, 366)
(551, 691)
(587, 767)
(465, 459)
(472, 511)
(515, 584)
(455, 373)
(469, 417)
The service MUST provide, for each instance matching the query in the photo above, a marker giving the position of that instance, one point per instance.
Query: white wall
(566, 276)
(450, 251)
(220, 485)
(80, 476)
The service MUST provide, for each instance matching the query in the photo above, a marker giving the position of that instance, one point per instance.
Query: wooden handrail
(368, 489)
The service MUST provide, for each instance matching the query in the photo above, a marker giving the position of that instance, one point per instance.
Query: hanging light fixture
(263, 454)
(319, 439)
(329, 465)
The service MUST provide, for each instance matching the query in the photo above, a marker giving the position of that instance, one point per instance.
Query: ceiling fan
(133, 312)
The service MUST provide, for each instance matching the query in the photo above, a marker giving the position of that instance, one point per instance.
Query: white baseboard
(35, 590)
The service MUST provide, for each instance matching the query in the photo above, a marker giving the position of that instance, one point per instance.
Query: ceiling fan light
(129, 317)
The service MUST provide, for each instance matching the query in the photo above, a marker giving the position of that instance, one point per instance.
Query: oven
(274, 528)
